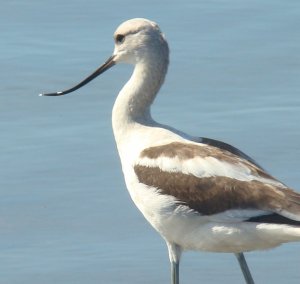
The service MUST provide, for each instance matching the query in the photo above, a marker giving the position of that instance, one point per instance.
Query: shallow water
(65, 215)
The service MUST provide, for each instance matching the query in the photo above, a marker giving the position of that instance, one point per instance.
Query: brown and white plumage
(198, 193)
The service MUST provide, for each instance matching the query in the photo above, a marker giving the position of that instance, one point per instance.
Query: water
(65, 216)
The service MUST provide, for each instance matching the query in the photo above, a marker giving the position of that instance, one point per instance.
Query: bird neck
(133, 103)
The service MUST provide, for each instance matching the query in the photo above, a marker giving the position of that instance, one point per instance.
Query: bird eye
(120, 38)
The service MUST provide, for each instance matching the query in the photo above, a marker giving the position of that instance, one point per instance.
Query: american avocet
(198, 193)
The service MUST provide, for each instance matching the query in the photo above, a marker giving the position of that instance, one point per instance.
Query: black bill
(108, 63)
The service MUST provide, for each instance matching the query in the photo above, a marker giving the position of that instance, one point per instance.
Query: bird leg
(174, 256)
(244, 267)
(175, 272)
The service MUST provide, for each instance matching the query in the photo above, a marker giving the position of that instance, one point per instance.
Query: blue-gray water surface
(65, 214)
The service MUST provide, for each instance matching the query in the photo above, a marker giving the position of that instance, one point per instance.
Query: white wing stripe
(205, 167)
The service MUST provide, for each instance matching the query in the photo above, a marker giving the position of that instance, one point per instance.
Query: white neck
(132, 105)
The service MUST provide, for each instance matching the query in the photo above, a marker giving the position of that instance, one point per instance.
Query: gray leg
(175, 272)
(244, 267)
(174, 256)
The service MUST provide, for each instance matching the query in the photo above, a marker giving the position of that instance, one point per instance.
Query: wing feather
(212, 181)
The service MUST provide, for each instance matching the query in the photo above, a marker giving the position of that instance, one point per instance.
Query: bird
(198, 193)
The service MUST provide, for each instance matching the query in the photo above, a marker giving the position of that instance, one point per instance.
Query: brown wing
(216, 194)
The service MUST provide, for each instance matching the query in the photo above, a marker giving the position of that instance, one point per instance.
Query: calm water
(65, 215)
